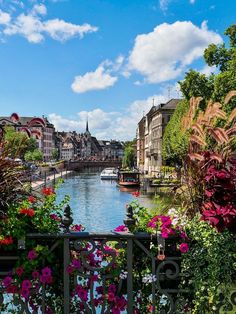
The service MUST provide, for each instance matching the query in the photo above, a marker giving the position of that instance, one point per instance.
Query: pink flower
(26, 284)
(11, 289)
(46, 271)
(112, 288)
(76, 264)
(32, 255)
(136, 193)
(25, 293)
(7, 281)
(35, 274)
(111, 296)
(184, 247)
(82, 294)
(77, 228)
(99, 290)
(19, 271)
(121, 228)
(115, 310)
(55, 217)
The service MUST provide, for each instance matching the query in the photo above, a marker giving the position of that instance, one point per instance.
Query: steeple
(87, 128)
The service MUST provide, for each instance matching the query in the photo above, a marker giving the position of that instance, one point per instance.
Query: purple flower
(35, 274)
(46, 271)
(76, 264)
(32, 255)
(19, 271)
(25, 293)
(26, 284)
(7, 281)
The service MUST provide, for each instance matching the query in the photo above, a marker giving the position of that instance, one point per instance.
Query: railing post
(130, 276)
(66, 277)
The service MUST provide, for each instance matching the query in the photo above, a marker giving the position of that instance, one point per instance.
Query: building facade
(150, 133)
(39, 128)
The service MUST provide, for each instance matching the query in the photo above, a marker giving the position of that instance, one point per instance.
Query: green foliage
(175, 141)
(18, 143)
(196, 84)
(129, 155)
(55, 154)
(35, 155)
(209, 268)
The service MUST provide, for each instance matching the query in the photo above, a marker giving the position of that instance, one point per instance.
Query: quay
(52, 178)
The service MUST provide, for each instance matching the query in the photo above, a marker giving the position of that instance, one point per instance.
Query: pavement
(41, 183)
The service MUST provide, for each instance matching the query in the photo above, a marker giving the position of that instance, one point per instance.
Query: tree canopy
(215, 87)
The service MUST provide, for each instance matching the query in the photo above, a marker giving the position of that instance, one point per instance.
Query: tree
(36, 155)
(175, 141)
(195, 84)
(129, 154)
(55, 154)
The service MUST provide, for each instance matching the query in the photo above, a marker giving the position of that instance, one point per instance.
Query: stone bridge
(92, 166)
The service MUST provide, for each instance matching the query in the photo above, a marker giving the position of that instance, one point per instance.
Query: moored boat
(128, 178)
(109, 174)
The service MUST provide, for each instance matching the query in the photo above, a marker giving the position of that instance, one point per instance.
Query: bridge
(92, 166)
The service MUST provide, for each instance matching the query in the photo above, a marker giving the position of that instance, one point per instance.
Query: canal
(99, 205)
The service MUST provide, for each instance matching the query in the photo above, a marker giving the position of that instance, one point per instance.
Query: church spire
(87, 128)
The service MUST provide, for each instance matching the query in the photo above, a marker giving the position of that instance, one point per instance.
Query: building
(39, 128)
(150, 132)
(112, 149)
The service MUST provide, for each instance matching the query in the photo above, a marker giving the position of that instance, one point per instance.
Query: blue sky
(105, 59)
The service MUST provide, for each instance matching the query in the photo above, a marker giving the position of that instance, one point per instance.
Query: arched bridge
(92, 166)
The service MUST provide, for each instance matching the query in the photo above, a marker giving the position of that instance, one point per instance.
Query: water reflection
(98, 204)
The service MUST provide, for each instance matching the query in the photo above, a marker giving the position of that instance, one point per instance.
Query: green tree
(175, 141)
(55, 154)
(18, 143)
(36, 155)
(129, 154)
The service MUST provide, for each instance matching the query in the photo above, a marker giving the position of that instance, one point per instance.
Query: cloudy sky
(102, 59)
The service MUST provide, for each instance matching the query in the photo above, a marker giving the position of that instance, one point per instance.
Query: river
(99, 205)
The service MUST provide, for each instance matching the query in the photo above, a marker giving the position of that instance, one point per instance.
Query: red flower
(27, 211)
(6, 241)
(136, 193)
(48, 191)
(32, 199)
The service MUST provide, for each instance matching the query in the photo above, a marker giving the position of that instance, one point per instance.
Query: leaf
(232, 116)
(195, 156)
(229, 96)
(197, 139)
(222, 134)
(231, 130)
(198, 128)
(216, 157)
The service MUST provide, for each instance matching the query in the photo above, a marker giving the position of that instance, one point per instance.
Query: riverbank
(36, 185)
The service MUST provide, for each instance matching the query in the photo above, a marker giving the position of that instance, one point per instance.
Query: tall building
(150, 132)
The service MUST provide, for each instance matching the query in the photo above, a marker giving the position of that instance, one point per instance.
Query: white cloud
(39, 9)
(164, 5)
(97, 80)
(109, 125)
(164, 53)
(33, 28)
(5, 17)
(208, 70)
(192, 1)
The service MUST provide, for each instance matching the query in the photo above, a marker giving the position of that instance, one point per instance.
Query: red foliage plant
(210, 166)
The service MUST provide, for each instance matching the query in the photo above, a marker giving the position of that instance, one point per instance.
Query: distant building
(150, 132)
(85, 146)
(42, 132)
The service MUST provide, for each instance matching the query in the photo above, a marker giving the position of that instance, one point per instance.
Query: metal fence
(163, 279)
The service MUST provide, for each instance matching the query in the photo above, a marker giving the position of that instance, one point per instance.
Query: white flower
(172, 212)
(149, 278)
(123, 274)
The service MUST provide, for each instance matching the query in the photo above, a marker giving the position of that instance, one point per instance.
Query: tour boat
(109, 174)
(128, 178)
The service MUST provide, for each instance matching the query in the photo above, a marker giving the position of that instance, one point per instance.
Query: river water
(99, 205)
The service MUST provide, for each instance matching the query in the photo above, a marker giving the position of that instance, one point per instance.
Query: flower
(27, 211)
(6, 240)
(77, 228)
(48, 191)
(26, 284)
(19, 271)
(32, 199)
(55, 217)
(32, 255)
(7, 281)
(184, 247)
(136, 193)
(35, 274)
(46, 271)
(121, 228)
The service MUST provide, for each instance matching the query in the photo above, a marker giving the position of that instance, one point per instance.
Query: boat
(109, 174)
(128, 178)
